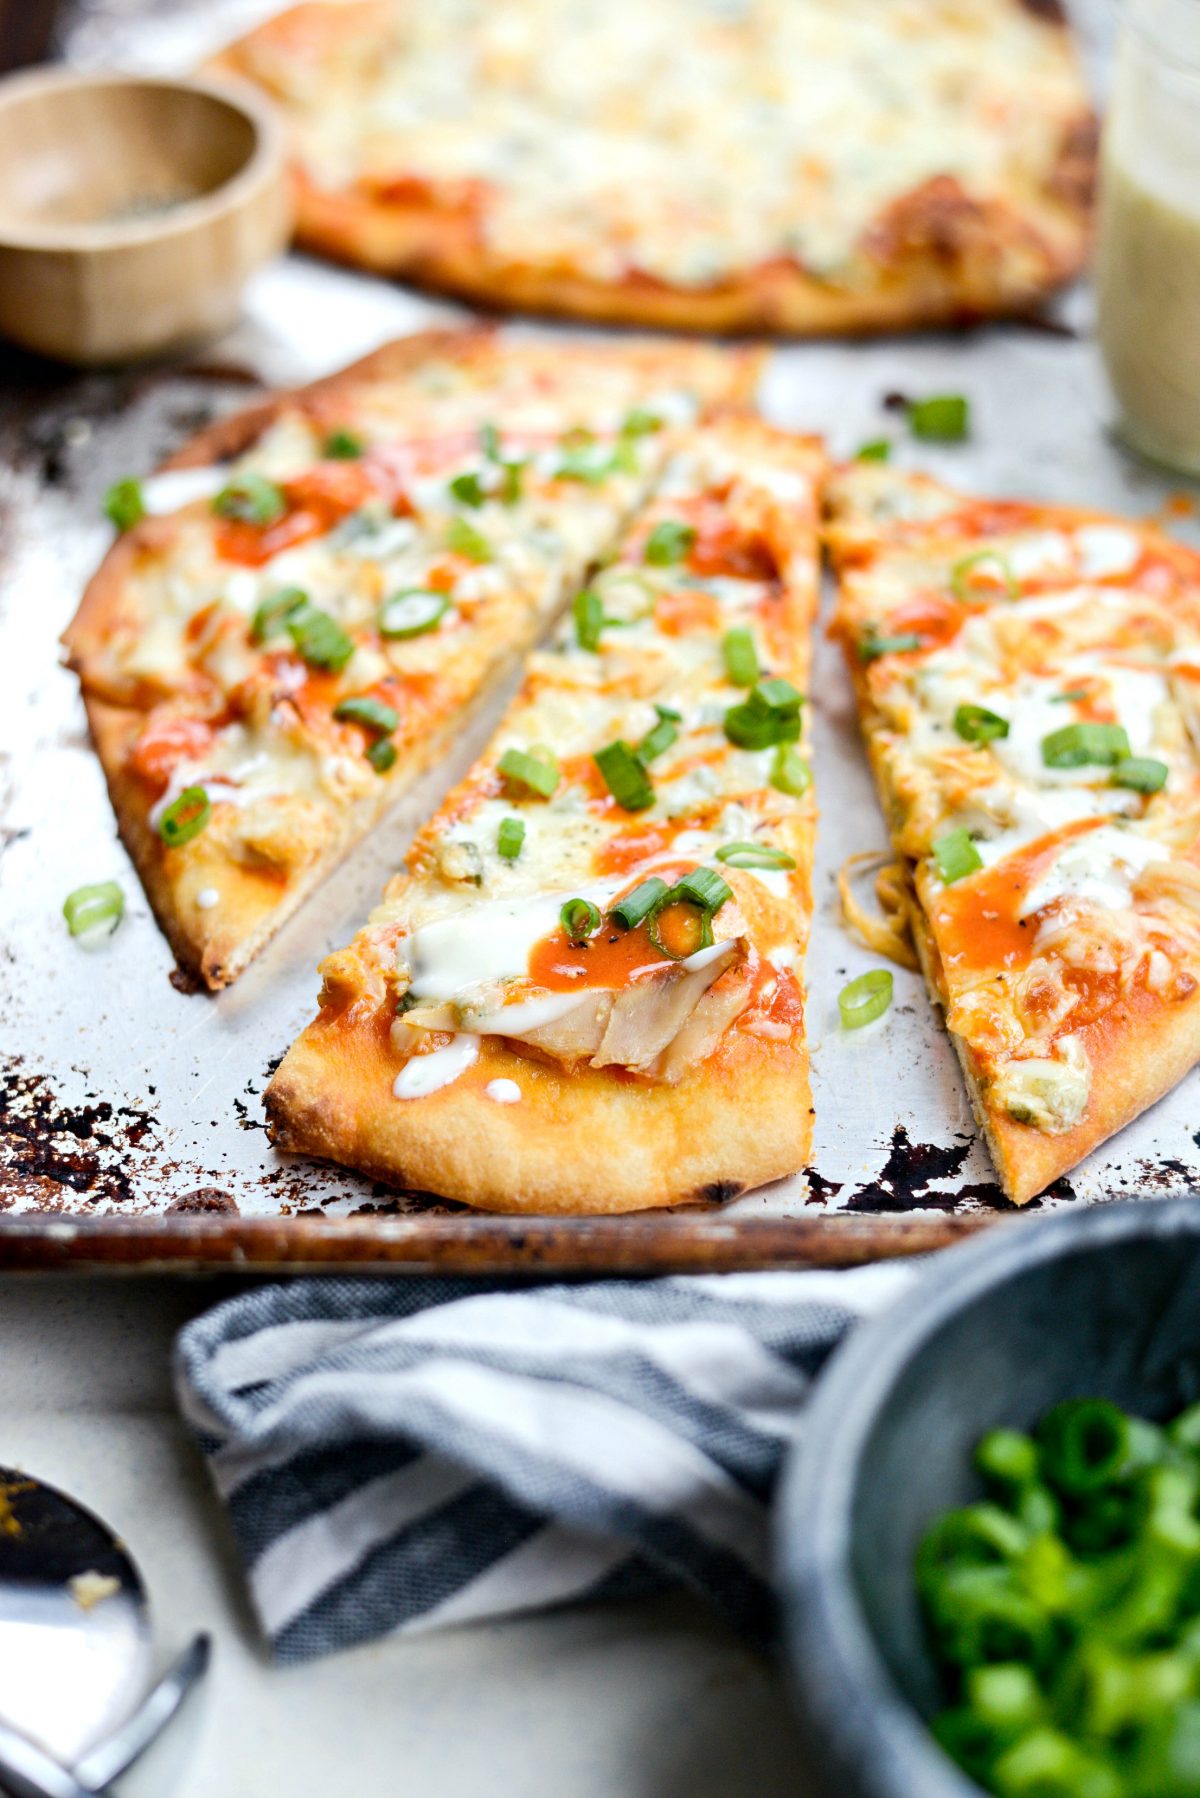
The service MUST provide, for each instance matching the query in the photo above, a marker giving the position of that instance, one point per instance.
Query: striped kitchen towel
(397, 1455)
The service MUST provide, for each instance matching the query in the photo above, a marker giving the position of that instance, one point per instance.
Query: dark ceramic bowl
(1102, 1302)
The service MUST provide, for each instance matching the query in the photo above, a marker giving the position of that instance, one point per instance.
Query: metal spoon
(75, 1647)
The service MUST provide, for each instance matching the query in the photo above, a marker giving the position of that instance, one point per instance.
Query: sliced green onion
(1085, 1444)
(489, 442)
(536, 769)
(956, 856)
(1069, 697)
(874, 644)
(770, 715)
(878, 449)
(624, 776)
(865, 999)
(124, 505)
(1141, 773)
(588, 613)
(959, 573)
(372, 714)
(1008, 1458)
(740, 655)
(510, 838)
(319, 639)
(669, 542)
(272, 612)
(251, 498)
(754, 855)
(412, 612)
(777, 696)
(90, 907)
(705, 887)
(679, 927)
(580, 919)
(343, 446)
(790, 773)
(1079, 745)
(658, 739)
(975, 724)
(593, 462)
(382, 755)
(465, 540)
(640, 423)
(185, 817)
(944, 418)
(638, 904)
(468, 489)
(667, 711)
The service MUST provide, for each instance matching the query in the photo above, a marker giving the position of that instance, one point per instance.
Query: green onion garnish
(640, 423)
(588, 613)
(960, 572)
(512, 479)
(124, 505)
(740, 655)
(1079, 745)
(319, 639)
(1069, 697)
(271, 612)
(863, 1000)
(535, 768)
(465, 540)
(945, 418)
(770, 715)
(382, 755)
(510, 838)
(669, 542)
(185, 817)
(659, 738)
(1141, 773)
(790, 773)
(90, 907)
(878, 449)
(412, 612)
(251, 498)
(624, 776)
(956, 856)
(580, 919)
(645, 898)
(489, 442)
(372, 714)
(873, 645)
(754, 855)
(343, 446)
(704, 887)
(468, 489)
(975, 724)
(679, 926)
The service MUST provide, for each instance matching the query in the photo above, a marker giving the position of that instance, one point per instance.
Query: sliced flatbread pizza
(1028, 679)
(777, 165)
(310, 596)
(586, 993)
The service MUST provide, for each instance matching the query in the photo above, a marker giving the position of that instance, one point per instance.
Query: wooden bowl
(1096, 1303)
(132, 210)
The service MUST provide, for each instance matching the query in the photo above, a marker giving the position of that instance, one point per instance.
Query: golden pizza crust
(257, 898)
(936, 256)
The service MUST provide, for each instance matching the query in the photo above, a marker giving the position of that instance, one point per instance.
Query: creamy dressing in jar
(1148, 253)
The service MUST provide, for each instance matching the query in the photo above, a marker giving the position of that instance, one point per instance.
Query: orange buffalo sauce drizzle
(614, 955)
(317, 500)
(976, 922)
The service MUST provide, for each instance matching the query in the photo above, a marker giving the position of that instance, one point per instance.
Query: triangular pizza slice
(586, 994)
(1028, 679)
(304, 603)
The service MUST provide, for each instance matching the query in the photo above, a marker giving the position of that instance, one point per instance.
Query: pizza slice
(775, 165)
(586, 995)
(1028, 680)
(309, 597)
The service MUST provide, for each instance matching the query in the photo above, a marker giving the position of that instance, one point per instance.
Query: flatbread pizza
(585, 994)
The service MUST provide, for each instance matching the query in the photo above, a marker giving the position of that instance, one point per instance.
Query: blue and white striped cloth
(400, 1455)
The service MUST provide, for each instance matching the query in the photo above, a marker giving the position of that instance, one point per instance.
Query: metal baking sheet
(131, 1127)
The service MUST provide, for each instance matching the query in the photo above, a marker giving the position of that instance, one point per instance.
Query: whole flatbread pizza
(792, 166)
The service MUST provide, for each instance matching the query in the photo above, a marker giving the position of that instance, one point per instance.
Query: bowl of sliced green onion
(989, 1533)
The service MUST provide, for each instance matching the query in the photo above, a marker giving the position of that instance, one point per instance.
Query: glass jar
(1148, 250)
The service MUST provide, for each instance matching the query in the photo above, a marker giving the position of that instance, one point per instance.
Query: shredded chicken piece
(891, 934)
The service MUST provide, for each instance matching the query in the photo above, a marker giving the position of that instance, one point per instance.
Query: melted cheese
(429, 1073)
(1098, 867)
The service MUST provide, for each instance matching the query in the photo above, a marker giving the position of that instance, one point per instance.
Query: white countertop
(646, 1699)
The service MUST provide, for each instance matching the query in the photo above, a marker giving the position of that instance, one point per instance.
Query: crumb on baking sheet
(91, 1588)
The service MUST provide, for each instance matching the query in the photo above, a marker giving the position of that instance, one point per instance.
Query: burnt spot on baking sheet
(1053, 11)
(246, 1119)
(50, 1148)
(1167, 1174)
(905, 1181)
(820, 1190)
